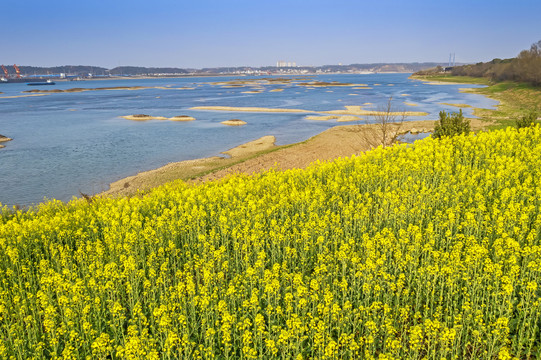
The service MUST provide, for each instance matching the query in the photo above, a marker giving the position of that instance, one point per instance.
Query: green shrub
(527, 120)
(451, 124)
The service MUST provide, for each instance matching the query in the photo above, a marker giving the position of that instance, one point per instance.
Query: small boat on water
(48, 82)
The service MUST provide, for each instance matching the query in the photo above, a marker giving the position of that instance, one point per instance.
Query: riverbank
(515, 99)
(262, 154)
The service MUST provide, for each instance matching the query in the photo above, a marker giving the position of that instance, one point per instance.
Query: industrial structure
(17, 71)
(18, 77)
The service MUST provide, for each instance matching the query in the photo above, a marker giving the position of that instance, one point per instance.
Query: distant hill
(526, 67)
(86, 71)
(77, 70)
(137, 70)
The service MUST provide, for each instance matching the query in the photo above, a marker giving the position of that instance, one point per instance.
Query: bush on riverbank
(425, 250)
(451, 125)
(527, 120)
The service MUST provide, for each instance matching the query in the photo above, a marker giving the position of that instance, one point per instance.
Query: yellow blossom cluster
(423, 251)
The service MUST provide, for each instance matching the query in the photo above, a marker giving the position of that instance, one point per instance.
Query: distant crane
(17, 71)
(5, 71)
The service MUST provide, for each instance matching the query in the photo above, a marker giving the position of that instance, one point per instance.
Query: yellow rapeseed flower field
(424, 251)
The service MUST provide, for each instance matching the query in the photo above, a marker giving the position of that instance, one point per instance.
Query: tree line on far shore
(526, 67)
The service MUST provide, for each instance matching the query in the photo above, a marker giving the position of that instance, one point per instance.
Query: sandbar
(72, 90)
(182, 118)
(142, 117)
(321, 118)
(410, 104)
(338, 118)
(173, 88)
(234, 122)
(250, 109)
(21, 96)
(276, 90)
(263, 81)
(4, 139)
(324, 84)
(457, 105)
(252, 92)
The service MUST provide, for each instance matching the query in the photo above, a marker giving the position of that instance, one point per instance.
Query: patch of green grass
(516, 100)
(451, 78)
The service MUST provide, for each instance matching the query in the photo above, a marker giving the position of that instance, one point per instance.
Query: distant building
(288, 64)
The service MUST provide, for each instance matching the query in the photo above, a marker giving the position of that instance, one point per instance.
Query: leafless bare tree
(385, 128)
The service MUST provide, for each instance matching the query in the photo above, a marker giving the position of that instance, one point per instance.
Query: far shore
(262, 154)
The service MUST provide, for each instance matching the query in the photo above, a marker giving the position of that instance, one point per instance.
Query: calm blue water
(68, 143)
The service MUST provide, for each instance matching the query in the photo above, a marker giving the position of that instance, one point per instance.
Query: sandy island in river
(343, 118)
(4, 139)
(182, 118)
(234, 122)
(76, 90)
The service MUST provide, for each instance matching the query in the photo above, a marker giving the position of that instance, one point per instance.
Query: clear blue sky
(210, 33)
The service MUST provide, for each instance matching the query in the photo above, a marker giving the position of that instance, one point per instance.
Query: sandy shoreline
(262, 154)
(188, 168)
